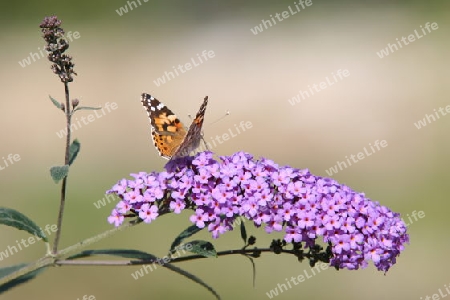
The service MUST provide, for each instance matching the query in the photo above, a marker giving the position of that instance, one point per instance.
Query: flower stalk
(62, 66)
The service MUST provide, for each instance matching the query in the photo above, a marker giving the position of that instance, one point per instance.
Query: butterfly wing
(168, 132)
(194, 134)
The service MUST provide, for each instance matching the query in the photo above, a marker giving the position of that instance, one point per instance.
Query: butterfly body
(170, 136)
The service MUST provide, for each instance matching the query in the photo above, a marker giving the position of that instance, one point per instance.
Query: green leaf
(85, 108)
(11, 217)
(59, 172)
(203, 248)
(55, 102)
(188, 232)
(127, 253)
(19, 280)
(191, 277)
(254, 268)
(243, 232)
(73, 151)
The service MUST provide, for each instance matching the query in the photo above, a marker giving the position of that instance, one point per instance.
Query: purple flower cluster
(306, 206)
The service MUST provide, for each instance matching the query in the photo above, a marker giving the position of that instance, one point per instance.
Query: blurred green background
(252, 76)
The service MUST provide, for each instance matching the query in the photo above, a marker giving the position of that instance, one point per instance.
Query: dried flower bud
(75, 103)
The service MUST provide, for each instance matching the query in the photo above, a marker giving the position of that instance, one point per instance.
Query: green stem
(138, 262)
(66, 162)
(95, 239)
(49, 260)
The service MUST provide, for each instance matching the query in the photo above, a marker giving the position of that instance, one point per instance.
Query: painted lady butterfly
(169, 135)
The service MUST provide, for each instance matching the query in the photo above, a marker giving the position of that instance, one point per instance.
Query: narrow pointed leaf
(59, 172)
(188, 232)
(86, 108)
(56, 102)
(127, 253)
(13, 218)
(191, 277)
(243, 232)
(203, 248)
(74, 149)
(254, 269)
(144, 256)
(19, 280)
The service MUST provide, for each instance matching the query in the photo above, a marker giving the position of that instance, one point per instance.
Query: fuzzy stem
(49, 260)
(174, 260)
(66, 162)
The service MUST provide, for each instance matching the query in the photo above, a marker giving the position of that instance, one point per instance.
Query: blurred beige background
(252, 76)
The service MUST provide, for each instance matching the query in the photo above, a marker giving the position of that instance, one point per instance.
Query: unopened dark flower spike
(56, 46)
(304, 205)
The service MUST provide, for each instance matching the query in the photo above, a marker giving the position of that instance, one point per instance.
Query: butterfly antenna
(204, 142)
(227, 113)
